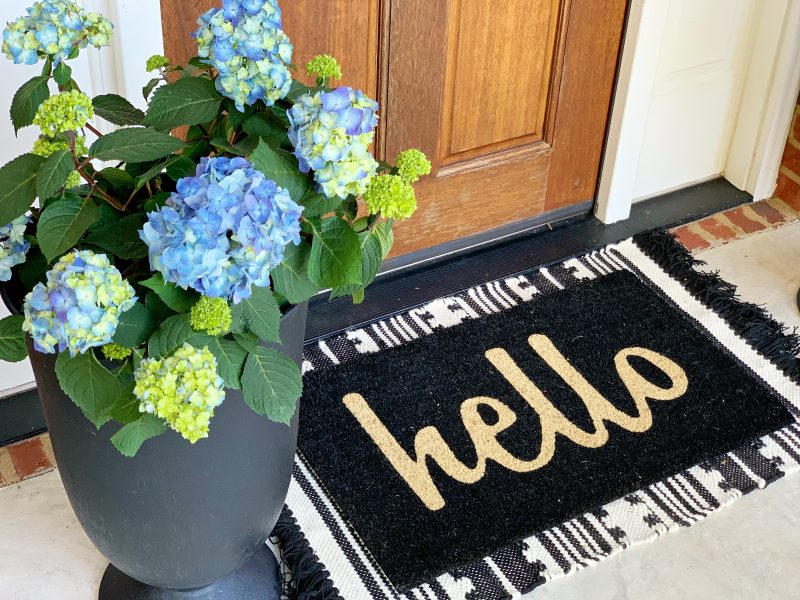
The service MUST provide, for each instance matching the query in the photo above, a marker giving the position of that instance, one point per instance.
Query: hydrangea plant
(157, 265)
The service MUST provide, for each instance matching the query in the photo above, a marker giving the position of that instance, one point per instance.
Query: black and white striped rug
(479, 445)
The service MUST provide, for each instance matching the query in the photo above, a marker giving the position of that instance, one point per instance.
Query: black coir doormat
(477, 445)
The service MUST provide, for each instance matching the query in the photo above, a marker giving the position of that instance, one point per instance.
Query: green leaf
(229, 354)
(12, 339)
(158, 310)
(62, 73)
(135, 144)
(272, 384)
(318, 205)
(371, 258)
(290, 278)
(196, 149)
(27, 101)
(135, 326)
(180, 166)
(261, 125)
(117, 110)
(188, 101)
(170, 336)
(335, 258)
(248, 341)
(63, 223)
(121, 237)
(176, 298)
(130, 438)
(116, 178)
(18, 186)
(383, 231)
(281, 167)
(151, 85)
(259, 314)
(53, 173)
(91, 386)
(125, 408)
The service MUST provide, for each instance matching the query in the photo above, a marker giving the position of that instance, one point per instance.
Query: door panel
(508, 98)
(483, 57)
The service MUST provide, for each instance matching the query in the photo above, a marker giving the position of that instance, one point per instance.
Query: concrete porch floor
(749, 550)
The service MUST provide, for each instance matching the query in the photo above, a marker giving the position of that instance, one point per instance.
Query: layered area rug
(482, 444)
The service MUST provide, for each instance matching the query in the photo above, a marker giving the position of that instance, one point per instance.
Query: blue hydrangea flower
(54, 28)
(13, 246)
(245, 43)
(79, 305)
(331, 133)
(223, 230)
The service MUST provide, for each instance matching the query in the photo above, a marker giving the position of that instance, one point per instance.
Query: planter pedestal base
(258, 579)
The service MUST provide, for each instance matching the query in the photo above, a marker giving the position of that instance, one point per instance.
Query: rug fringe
(308, 579)
(774, 340)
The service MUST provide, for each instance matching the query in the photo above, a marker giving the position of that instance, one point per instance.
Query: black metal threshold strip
(425, 276)
(402, 289)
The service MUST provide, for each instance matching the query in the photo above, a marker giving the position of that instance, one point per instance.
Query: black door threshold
(400, 290)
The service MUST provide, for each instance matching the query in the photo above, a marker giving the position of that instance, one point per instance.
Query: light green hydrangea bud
(212, 315)
(116, 352)
(74, 179)
(183, 389)
(411, 164)
(391, 196)
(324, 66)
(157, 61)
(67, 111)
(46, 146)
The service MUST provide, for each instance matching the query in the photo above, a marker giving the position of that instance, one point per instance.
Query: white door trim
(768, 101)
(626, 127)
(762, 123)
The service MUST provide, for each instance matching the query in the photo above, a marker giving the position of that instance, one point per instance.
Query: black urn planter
(179, 520)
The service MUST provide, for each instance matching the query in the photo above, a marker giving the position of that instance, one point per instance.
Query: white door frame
(762, 122)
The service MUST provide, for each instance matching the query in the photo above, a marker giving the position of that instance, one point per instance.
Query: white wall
(696, 90)
(117, 69)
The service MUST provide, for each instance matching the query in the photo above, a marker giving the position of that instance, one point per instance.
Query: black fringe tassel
(307, 578)
(772, 339)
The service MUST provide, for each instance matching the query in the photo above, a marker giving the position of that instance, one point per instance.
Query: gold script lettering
(428, 442)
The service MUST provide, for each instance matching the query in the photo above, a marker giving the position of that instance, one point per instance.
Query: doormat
(484, 443)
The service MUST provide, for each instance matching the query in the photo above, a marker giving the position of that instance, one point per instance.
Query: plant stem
(91, 128)
(79, 167)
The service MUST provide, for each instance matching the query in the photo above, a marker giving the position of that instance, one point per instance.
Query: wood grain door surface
(509, 98)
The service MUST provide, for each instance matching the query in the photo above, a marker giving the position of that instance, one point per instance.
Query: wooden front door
(509, 98)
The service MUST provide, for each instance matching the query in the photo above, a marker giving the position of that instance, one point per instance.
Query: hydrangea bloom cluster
(211, 315)
(54, 28)
(116, 352)
(183, 389)
(156, 62)
(324, 66)
(245, 43)
(331, 133)
(391, 196)
(45, 146)
(411, 164)
(13, 246)
(223, 230)
(79, 305)
(67, 111)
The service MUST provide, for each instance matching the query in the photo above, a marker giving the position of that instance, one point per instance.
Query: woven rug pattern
(325, 554)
